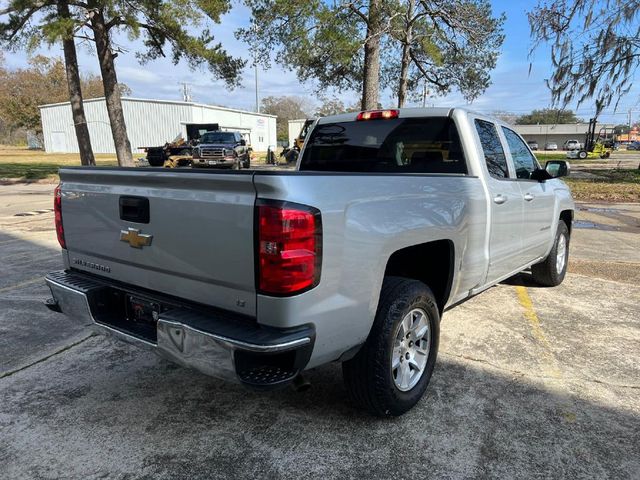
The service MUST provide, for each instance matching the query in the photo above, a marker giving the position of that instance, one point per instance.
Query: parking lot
(530, 382)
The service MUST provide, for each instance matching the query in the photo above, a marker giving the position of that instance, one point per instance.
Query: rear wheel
(291, 156)
(552, 270)
(390, 373)
(157, 161)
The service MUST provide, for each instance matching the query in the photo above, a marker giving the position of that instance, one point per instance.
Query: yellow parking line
(531, 316)
(536, 330)
(22, 284)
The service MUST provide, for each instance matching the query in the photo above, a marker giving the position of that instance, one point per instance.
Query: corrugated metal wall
(262, 128)
(149, 123)
(152, 124)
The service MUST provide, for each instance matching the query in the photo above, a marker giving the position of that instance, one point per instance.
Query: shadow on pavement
(522, 279)
(105, 408)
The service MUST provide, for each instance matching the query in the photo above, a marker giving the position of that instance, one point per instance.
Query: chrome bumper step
(218, 343)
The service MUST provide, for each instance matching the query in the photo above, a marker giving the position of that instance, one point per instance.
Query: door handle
(500, 199)
(528, 197)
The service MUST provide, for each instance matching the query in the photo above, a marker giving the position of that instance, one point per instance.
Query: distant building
(557, 134)
(632, 136)
(149, 123)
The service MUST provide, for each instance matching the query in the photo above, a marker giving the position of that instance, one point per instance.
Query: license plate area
(140, 310)
(133, 314)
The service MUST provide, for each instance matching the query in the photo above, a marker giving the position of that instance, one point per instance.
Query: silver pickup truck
(391, 218)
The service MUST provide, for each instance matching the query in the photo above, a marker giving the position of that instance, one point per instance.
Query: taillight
(289, 248)
(57, 211)
(378, 115)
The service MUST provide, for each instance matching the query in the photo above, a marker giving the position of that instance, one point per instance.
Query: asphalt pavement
(530, 383)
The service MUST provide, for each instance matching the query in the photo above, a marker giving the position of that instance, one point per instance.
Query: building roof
(171, 102)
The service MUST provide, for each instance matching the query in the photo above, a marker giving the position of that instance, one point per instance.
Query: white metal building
(557, 134)
(294, 129)
(149, 123)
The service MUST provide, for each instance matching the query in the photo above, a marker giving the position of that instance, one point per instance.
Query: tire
(372, 382)
(291, 156)
(582, 154)
(156, 162)
(547, 273)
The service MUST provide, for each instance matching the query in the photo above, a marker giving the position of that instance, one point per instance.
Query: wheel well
(567, 217)
(431, 263)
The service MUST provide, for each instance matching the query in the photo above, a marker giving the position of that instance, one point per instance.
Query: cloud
(137, 75)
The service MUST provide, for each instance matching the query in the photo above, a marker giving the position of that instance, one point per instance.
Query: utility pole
(255, 66)
(186, 92)
(424, 94)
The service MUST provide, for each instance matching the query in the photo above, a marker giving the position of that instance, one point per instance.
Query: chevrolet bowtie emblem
(134, 238)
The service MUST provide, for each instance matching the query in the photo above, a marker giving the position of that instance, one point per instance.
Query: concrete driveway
(530, 383)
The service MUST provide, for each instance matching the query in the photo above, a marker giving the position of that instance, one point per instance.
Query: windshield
(218, 137)
(401, 145)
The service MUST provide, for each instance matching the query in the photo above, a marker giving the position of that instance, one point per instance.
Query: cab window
(400, 145)
(492, 147)
(523, 160)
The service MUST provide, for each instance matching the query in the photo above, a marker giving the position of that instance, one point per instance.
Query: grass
(616, 185)
(20, 163)
(543, 157)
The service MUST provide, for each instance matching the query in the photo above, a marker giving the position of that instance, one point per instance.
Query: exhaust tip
(301, 384)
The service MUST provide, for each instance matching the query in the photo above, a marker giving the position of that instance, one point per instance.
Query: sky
(514, 88)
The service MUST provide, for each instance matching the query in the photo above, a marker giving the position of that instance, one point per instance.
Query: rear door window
(401, 145)
(494, 155)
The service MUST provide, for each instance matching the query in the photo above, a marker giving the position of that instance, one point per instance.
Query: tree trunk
(371, 74)
(111, 90)
(75, 91)
(406, 59)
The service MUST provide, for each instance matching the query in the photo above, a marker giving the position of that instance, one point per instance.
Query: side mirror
(540, 175)
(558, 168)
(243, 142)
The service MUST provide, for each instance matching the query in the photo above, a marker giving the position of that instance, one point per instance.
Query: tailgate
(199, 231)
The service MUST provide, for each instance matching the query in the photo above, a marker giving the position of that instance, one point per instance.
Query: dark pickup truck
(222, 150)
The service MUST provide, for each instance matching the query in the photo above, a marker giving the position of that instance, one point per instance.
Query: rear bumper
(216, 343)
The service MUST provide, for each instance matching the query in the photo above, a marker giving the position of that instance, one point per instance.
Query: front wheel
(551, 271)
(390, 373)
(582, 154)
